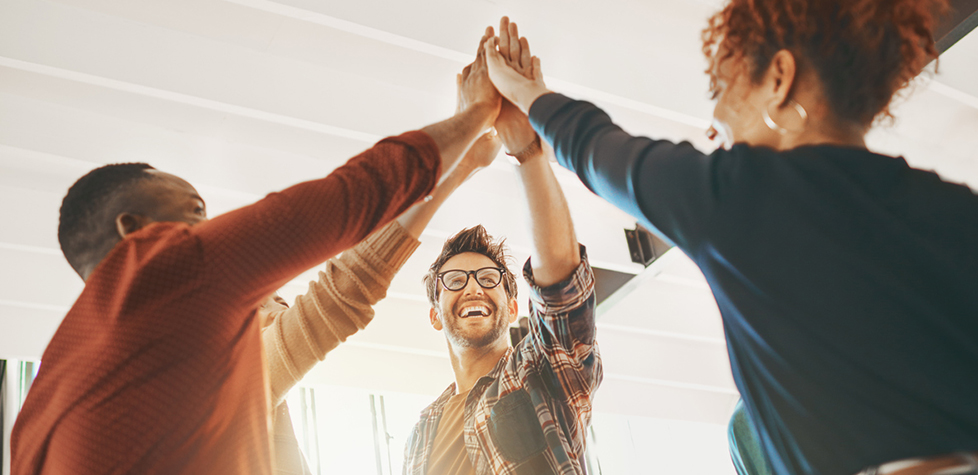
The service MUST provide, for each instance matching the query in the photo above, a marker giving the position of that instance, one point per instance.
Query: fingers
(504, 37)
(526, 61)
(485, 37)
(537, 71)
(514, 43)
(490, 52)
(494, 58)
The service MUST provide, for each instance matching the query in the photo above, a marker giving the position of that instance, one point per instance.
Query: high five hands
(513, 70)
(512, 124)
(474, 87)
(503, 64)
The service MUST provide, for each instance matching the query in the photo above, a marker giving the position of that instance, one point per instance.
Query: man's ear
(127, 223)
(514, 308)
(781, 75)
(433, 316)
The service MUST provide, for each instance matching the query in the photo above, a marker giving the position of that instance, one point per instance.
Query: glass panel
(28, 371)
(634, 444)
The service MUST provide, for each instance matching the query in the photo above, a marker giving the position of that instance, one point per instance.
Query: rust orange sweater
(157, 368)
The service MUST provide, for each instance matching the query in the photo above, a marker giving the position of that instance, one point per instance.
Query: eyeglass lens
(487, 277)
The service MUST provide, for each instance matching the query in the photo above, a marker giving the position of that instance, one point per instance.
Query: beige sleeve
(336, 306)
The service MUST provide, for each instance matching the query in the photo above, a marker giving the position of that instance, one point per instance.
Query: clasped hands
(503, 82)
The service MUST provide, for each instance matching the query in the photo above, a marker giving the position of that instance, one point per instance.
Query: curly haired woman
(846, 279)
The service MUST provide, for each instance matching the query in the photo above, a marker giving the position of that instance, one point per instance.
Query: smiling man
(512, 410)
(522, 410)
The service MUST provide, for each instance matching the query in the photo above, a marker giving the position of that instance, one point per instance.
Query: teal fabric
(745, 451)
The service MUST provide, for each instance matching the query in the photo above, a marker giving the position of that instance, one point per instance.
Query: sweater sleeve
(668, 186)
(336, 306)
(251, 251)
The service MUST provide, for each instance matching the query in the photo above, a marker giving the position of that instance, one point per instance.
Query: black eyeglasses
(486, 277)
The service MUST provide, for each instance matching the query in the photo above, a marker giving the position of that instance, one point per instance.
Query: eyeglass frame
(468, 273)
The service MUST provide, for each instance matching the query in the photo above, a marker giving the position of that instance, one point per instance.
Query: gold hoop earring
(771, 124)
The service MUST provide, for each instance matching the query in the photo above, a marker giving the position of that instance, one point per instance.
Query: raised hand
(515, 73)
(482, 152)
(474, 86)
(514, 128)
(515, 50)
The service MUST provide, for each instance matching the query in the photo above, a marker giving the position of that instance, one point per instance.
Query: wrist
(530, 94)
(533, 149)
(515, 138)
(484, 113)
(463, 170)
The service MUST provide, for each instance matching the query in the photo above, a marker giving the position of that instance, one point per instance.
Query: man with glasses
(523, 409)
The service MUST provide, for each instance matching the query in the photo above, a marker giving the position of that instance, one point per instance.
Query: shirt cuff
(544, 108)
(563, 296)
(392, 244)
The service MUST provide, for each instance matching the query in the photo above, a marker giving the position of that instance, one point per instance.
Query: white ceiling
(244, 97)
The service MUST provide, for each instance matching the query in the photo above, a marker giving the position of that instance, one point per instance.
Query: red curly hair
(862, 51)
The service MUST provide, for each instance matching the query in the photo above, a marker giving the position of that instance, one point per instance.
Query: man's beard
(500, 322)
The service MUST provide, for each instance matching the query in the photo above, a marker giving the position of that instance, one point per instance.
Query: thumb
(491, 54)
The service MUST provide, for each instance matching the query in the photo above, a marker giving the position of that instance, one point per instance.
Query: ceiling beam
(961, 20)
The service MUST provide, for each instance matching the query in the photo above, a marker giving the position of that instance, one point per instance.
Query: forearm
(668, 186)
(252, 251)
(455, 135)
(555, 251)
(587, 143)
(417, 218)
(526, 96)
(336, 306)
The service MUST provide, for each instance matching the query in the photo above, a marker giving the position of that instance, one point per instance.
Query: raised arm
(562, 284)
(341, 301)
(479, 156)
(670, 187)
(555, 249)
(254, 250)
(478, 106)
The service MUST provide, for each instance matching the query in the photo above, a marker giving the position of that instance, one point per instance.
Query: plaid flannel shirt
(530, 414)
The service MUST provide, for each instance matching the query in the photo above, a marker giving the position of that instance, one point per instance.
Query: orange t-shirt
(448, 455)
(158, 367)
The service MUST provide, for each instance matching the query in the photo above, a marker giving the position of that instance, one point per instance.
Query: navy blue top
(847, 282)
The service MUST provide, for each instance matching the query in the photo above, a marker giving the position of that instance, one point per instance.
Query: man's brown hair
(474, 239)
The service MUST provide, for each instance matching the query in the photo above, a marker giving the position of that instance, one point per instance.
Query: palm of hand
(513, 70)
(483, 151)
(474, 85)
(514, 128)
